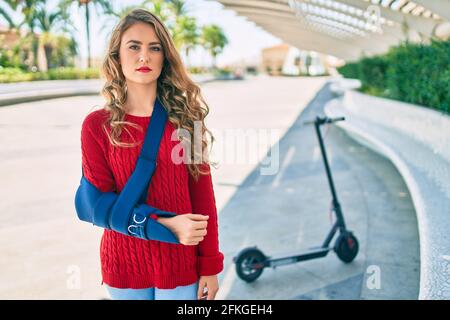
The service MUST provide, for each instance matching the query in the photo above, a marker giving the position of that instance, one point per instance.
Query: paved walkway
(52, 255)
(30, 91)
(289, 212)
(416, 140)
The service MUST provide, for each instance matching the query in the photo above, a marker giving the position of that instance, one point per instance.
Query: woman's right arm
(95, 167)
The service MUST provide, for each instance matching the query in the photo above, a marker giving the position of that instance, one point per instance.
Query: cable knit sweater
(129, 262)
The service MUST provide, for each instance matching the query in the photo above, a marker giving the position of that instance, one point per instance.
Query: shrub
(414, 73)
(16, 74)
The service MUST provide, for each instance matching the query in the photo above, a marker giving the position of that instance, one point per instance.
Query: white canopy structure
(347, 28)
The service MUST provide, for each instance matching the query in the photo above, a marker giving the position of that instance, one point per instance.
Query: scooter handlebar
(331, 120)
(322, 120)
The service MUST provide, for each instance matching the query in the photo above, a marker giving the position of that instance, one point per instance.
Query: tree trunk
(214, 61)
(48, 55)
(187, 57)
(88, 33)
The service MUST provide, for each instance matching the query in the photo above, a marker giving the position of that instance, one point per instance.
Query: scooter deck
(294, 257)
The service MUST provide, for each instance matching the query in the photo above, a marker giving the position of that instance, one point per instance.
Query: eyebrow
(139, 42)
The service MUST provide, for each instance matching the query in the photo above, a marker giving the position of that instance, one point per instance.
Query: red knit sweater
(129, 262)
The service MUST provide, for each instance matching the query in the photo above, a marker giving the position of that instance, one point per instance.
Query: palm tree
(185, 30)
(117, 15)
(66, 50)
(49, 22)
(214, 40)
(5, 6)
(178, 7)
(104, 5)
(186, 34)
(124, 11)
(160, 8)
(28, 10)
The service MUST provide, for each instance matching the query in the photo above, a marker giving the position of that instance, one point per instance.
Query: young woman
(142, 65)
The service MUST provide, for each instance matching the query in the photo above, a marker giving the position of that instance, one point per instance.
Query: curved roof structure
(345, 28)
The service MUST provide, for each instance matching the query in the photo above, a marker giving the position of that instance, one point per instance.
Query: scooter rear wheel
(346, 247)
(250, 264)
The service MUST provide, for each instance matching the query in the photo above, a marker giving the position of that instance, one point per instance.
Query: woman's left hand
(209, 282)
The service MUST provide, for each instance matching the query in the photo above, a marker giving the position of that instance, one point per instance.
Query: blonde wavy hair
(180, 96)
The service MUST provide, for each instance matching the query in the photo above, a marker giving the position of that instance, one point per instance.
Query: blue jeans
(188, 292)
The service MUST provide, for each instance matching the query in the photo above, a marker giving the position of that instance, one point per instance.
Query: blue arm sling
(127, 212)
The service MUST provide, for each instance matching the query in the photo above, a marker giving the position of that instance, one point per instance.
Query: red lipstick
(144, 69)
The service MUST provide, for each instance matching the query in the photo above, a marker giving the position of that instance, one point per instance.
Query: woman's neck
(140, 99)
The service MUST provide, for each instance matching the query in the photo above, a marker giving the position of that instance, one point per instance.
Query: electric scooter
(250, 262)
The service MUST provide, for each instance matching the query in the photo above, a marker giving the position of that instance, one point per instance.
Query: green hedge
(414, 73)
(17, 75)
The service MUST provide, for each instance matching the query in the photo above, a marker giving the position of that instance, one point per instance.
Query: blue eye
(157, 48)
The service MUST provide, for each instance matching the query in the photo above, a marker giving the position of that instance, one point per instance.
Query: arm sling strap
(127, 212)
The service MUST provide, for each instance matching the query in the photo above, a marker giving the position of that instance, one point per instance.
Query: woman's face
(140, 47)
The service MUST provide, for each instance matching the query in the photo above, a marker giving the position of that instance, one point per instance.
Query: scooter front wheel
(346, 247)
(250, 264)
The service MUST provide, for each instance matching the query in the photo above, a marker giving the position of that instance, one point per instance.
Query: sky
(245, 39)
